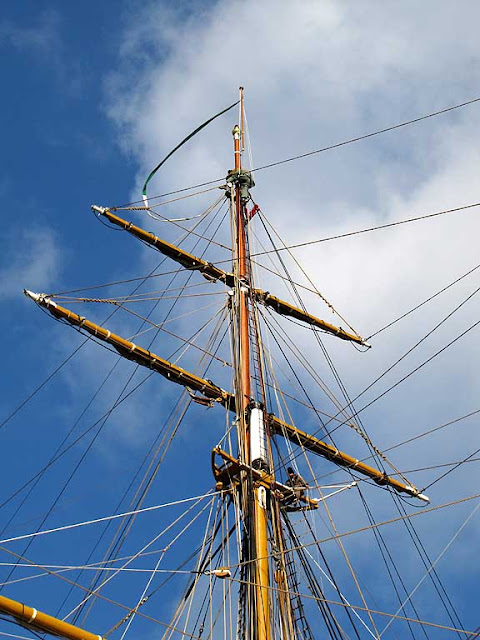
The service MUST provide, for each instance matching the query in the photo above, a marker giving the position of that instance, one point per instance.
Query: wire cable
(323, 149)
(369, 135)
(367, 230)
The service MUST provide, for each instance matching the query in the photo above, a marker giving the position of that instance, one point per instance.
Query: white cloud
(32, 260)
(315, 74)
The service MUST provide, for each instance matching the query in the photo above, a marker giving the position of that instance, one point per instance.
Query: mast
(266, 560)
(252, 436)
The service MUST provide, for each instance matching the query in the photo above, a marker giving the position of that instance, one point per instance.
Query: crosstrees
(214, 393)
(212, 272)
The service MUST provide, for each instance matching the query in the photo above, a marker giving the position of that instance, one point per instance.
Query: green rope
(197, 130)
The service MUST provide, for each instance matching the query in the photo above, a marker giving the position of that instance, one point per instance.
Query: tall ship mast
(251, 574)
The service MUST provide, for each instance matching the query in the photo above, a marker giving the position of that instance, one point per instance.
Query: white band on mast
(258, 451)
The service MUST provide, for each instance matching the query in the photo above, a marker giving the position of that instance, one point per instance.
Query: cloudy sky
(95, 94)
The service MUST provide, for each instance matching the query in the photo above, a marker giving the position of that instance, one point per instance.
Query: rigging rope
(370, 135)
(360, 608)
(404, 315)
(323, 149)
(106, 518)
(97, 595)
(432, 566)
(405, 377)
(376, 228)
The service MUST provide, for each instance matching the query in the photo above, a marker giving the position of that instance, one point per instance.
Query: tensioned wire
(360, 608)
(117, 545)
(359, 428)
(131, 297)
(118, 282)
(37, 389)
(204, 554)
(10, 635)
(344, 534)
(357, 232)
(416, 368)
(161, 204)
(424, 556)
(98, 595)
(276, 250)
(413, 438)
(407, 313)
(143, 597)
(277, 388)
(432, 565)
(427, 334)
(345, 392)
(64, 568)
(262, 266)
(162, 443)
(369, 229)
(13, 635)
(311, 371)
(198, 235)
(205, 540)
(391, 323)
(179, 567)
(317, 590)
(171, 333)
(96, 435)
(453, 468)
(291, 457)
(418, 544)
(207, 367)
(141, 280)
(147, 297)
(41, 473)
(418, 343)
(74, 442)
(95, 565)
(41, 385)
(387, 556)
(443, 465)
(160, 218)
(324, 149)
(158, 328)
(420, 549)
(164, 436)
(88, 448)
(276, 273)
(84, 523)
(96, 590)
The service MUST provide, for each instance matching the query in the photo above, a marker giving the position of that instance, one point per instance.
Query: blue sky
(97, 93)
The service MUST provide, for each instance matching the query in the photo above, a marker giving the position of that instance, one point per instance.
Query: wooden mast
(258, 497)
